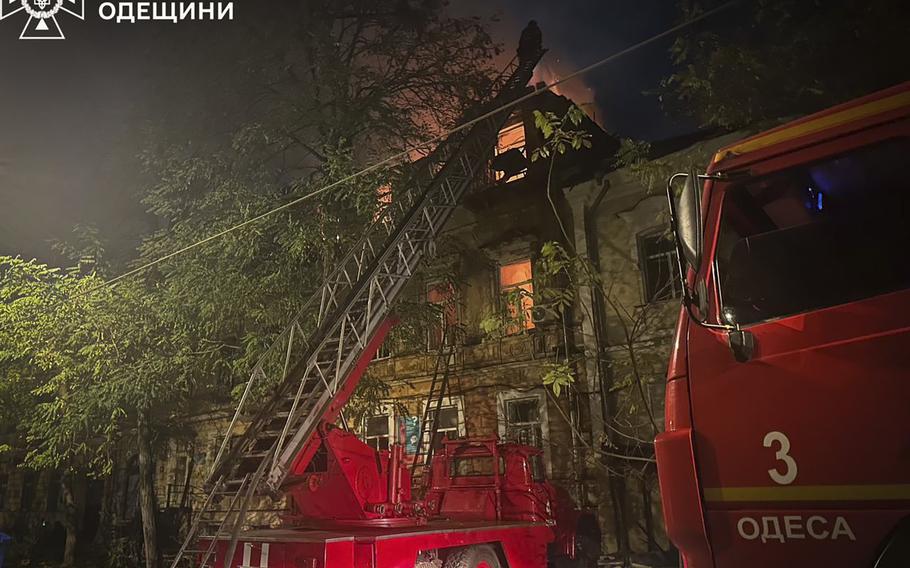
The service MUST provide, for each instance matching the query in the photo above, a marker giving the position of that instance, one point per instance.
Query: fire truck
(484, 503)
(788, 390)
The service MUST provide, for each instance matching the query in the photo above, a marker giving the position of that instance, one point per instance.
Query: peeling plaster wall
(622, 206)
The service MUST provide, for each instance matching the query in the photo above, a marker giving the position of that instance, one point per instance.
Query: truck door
(803, 450)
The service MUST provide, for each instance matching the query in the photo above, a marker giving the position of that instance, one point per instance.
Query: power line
(406, 153)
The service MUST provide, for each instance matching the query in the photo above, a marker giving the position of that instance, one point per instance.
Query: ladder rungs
(254, 455)
(262, 436)
(290, 398)
(269, 434)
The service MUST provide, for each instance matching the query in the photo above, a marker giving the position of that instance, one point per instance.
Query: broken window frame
(448, 316)
(384, 351)
(515, 123)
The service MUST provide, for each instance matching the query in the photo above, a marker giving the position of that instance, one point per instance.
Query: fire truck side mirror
(685, 215)
(688, 219)
(684, 199)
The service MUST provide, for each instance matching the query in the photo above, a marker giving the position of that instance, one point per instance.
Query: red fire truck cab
(788, 389)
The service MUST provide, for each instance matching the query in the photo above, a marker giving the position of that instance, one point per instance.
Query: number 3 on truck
(788, 474)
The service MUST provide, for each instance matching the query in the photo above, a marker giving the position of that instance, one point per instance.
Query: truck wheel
(482, 556)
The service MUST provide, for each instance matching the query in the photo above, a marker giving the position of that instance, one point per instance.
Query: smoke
(552, 69)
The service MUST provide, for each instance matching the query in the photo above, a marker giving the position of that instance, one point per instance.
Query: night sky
(72, 111)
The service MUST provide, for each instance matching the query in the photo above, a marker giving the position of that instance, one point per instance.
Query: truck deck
(361, 534)
(521, 544)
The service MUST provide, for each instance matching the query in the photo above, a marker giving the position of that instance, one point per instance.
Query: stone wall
(30, 496)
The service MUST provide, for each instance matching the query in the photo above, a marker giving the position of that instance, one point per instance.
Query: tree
(31, 373)
(769, 59)
(101, 364)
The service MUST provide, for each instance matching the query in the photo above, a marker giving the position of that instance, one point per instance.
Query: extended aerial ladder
(309, 372)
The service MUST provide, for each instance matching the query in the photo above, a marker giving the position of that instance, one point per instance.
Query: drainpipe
(576, 457)
(604, 373)
(572, 400)
(598, 309)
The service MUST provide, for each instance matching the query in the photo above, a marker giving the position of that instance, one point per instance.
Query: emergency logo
(42, 16)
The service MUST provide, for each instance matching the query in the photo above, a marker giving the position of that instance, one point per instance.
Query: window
(180, 470)
(384, 195)
(442, 295)
(512, 137)
(516, 284)
(175, 489)
(817, 235)
(450, 423)
(378, 431)
(384, 351)
(472, 466)
(29, 481)
(383, 199)
(660, 272)
(53, 499)
(523, 419)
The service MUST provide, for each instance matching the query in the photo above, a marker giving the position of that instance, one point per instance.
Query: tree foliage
(560, 133)
(769, 59)
(80, 361)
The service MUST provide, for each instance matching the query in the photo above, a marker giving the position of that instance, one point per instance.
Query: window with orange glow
(442, 295)
(383, 198)
(517, 276)
(512, 136)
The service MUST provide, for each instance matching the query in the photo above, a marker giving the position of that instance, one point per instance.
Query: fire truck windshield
(818, 235)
